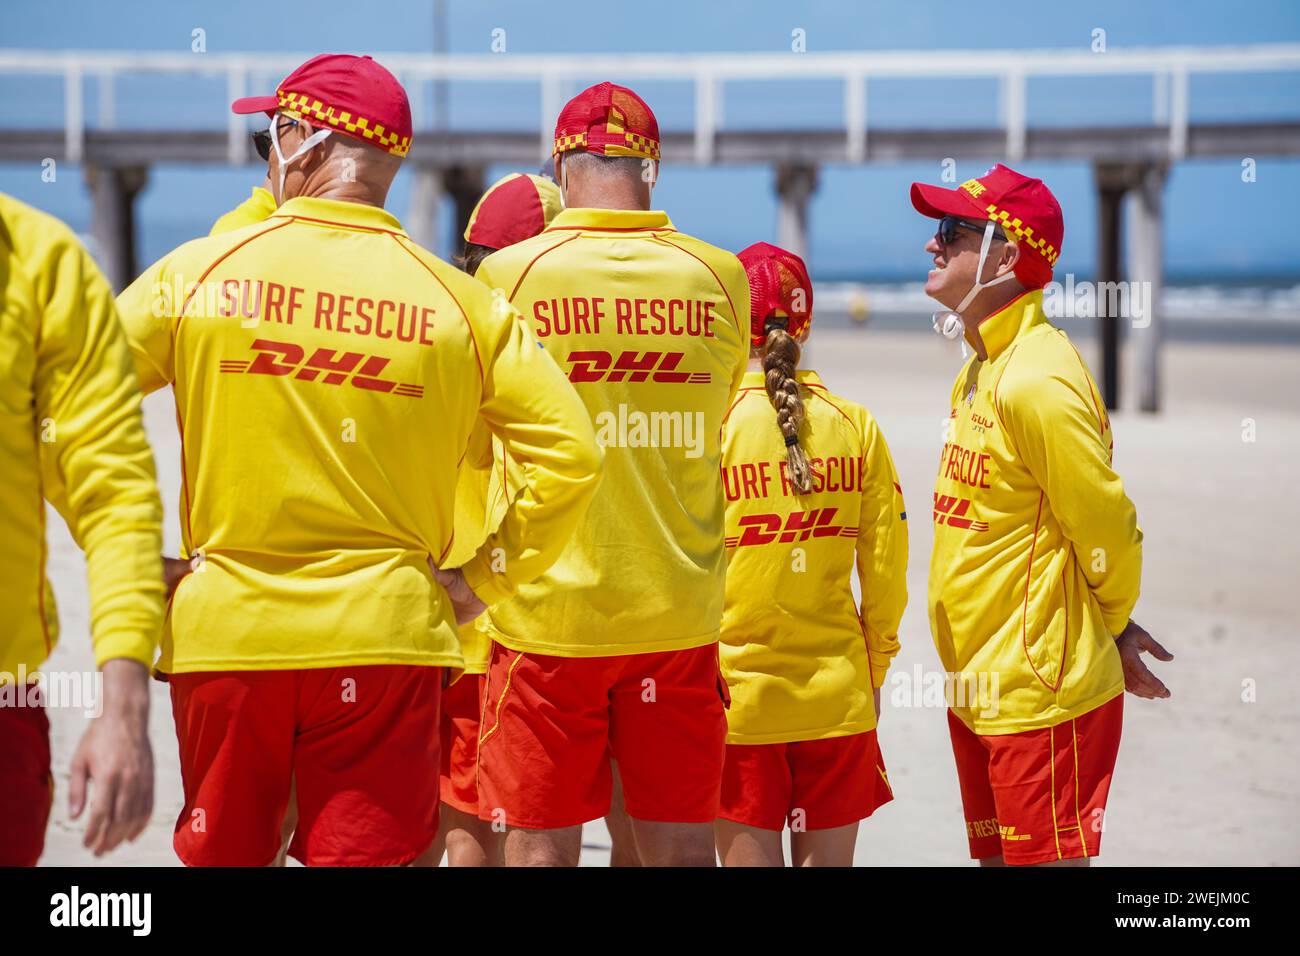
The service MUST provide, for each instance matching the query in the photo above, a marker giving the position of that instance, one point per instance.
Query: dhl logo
(325, 365)
(1010, 834)
(951, 510)
(796, 526)
(596, 366)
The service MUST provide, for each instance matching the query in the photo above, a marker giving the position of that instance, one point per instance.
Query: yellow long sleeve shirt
(799, 657)
(472, 520)
(652, 328)
(1037, 553)
(327, 374)
(475, 518)
(71, 433)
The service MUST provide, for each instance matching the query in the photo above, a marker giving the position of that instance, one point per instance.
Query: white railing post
(705, 118)
(551, 105)
(1013, 99)
(855, 116)
(236, 141)
(74, 115)
(1178, 113)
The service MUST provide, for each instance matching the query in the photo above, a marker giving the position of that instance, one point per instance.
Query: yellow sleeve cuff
(878, 674)
(131, 645)
(489, 586)
(1115, 625)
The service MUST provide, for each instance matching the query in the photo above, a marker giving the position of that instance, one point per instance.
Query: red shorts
(551, 725)
(26, 787)
(1038, 795)
(360, 741)
(462, 705)
(812, 784)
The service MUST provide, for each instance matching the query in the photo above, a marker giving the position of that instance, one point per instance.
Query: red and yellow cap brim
(301, 105)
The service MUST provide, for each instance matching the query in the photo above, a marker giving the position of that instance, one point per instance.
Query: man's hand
(114, 755)
(174, 569)
(463, 599)
(1138, 679)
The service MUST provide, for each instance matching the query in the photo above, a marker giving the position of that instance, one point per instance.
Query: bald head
(595, 181)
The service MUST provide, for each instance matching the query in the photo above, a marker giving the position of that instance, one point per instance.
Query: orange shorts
(360, 741)
(1038, 795)
(551, 725)
(26, 787)
(811, 784)
(462, 705)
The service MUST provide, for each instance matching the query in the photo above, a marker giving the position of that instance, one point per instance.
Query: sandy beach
(1205, 778)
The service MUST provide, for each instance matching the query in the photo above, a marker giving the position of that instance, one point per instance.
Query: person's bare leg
(432, 856)
(468, 839)
(741, 845)
(560, 847)
(833, 847)
(288, 824)
(622, 841)
(674, 844)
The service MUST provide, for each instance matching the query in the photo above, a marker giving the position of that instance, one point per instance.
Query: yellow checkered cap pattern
(643, 145)
(565, 143)
(302, 105)
(636, 145)
(1025, 234)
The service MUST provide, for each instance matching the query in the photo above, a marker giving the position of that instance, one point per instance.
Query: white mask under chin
(948, 322)
(305, 145)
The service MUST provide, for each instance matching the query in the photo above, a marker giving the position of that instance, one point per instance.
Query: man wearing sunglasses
(262, 202)
(1037, 553)
(327, 372)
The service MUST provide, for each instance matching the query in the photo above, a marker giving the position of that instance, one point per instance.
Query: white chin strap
(948, 322)
(305, 145)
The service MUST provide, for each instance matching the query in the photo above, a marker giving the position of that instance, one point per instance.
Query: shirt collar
(805, 376)
(339, 211)
(1013, 320)
(629, 220)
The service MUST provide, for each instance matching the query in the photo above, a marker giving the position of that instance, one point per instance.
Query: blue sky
(862, 224)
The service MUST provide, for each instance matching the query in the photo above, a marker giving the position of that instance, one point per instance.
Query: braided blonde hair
(780, 353)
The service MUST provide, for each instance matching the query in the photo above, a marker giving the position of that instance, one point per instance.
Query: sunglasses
(262, 138)
(949, 225)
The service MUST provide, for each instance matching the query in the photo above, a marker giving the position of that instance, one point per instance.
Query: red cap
(1023, 207)
(778, 282)
(515, 208)
(352, 94)
(609, 120)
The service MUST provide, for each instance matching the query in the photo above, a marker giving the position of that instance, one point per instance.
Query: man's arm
(148, 313)
(1055, 420)
(881, 553)
(529, 404)
(98, 472)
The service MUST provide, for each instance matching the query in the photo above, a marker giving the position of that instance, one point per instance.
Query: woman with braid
(810, 492)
